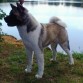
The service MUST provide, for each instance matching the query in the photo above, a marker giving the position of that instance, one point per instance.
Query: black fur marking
(15, 19)
(30, 27)
(42, 30)
(40, 38)
(12, 20)
(68, 45)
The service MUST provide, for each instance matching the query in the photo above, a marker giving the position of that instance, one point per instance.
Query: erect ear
(20, 7)
(13, 7)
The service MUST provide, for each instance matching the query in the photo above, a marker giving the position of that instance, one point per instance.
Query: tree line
(38, 0)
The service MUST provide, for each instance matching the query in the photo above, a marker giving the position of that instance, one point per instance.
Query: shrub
(2, 15)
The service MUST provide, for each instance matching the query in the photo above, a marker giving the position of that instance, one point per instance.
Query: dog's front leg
(29, 60)
(40, 61)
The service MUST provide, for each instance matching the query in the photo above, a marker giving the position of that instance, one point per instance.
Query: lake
(71, 15)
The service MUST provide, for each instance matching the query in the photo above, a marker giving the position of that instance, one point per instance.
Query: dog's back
(53, 33)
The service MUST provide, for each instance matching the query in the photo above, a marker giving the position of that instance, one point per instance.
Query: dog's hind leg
(54, 51)
(66, 48)
(29, 60)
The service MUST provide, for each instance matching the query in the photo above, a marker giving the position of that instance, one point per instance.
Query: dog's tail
(58, 21)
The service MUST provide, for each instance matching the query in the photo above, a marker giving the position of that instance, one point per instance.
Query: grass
(13, 63)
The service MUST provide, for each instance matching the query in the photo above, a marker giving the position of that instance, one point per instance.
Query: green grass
(13, 63)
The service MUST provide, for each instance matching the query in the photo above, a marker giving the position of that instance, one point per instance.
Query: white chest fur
(31, 38)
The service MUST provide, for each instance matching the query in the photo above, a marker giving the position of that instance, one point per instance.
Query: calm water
(72, 16)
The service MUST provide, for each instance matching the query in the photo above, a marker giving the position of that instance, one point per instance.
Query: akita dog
(36, 36)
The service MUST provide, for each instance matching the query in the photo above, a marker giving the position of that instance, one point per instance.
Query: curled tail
(58, 21)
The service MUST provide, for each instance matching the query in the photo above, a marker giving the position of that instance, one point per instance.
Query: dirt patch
(12, 40)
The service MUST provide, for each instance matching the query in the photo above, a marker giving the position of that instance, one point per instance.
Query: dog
(36, 36)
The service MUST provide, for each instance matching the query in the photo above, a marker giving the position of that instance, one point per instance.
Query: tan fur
(53, 33)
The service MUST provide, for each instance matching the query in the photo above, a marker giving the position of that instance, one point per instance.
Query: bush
(2, 15)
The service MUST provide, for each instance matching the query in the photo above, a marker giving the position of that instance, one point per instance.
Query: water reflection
(57, 2)
(76, 3)
(72, 16)
(67, 3)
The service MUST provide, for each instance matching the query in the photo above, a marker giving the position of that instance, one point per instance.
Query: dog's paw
(28, 70)
(38, 76)
(71, 62)
(52, 59)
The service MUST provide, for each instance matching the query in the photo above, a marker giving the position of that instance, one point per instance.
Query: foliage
(13, 63)
(2, 15)
(3, 1)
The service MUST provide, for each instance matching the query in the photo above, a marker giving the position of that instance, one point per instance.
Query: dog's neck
(31, 23)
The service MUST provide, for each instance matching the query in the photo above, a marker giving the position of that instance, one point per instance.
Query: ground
(13, 63)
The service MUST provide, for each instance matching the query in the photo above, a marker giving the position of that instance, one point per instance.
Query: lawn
(13, 63)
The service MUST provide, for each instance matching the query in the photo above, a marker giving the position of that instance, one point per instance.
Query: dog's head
(17, 15)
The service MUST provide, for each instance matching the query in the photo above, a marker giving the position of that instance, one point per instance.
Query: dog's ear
(13, 7)
(20, 7)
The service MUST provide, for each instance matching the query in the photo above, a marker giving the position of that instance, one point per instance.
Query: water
(72, 16)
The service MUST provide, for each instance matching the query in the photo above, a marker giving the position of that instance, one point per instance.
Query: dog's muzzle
(8, 21)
